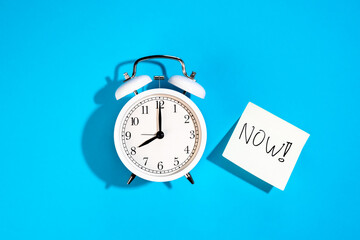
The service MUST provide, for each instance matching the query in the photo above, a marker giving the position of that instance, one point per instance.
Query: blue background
(60, 63)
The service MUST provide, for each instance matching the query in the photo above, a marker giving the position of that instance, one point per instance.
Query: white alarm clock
(160, 134)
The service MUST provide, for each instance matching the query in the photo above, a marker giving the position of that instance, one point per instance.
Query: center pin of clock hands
(159, 134)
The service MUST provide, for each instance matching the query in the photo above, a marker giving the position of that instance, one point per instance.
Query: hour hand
(148, 141)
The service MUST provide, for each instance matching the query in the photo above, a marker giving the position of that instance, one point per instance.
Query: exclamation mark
(287, 149)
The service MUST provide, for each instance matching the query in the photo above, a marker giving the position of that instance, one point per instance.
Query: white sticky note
(265, 145)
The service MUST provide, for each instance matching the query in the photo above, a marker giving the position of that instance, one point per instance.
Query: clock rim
(135, 170)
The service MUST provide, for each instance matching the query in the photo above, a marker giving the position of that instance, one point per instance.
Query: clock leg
(131, 178)
(189, 177)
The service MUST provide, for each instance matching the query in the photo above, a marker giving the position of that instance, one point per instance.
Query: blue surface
(61, 61)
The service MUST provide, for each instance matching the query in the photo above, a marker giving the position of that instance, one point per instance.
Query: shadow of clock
(216, 157)
(98, 134)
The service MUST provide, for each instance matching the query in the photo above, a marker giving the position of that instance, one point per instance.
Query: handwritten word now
(259, 138)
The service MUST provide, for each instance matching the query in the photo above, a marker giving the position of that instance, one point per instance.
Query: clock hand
(148, 141)
(158, 135)
(160, 123)
(149, 134)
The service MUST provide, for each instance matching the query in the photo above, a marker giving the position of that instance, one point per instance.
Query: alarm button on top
(132, 85)
(188, 85)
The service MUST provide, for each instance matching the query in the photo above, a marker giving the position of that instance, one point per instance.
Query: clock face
(159, 135)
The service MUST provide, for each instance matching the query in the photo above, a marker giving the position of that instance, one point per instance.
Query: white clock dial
(160, 135)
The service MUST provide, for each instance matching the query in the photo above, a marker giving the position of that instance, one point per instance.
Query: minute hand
(160, 120)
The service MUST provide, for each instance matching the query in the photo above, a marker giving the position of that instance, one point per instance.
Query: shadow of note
(98, 135)
(216, 157)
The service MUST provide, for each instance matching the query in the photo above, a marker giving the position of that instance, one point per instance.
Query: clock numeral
(134, 121)
(174, 108)
(145, 109)
(145, 159)
(176, 161)
(192, 134)
(187, 149)
(161, 103)
(133, 150)
(187, 117)
(127, 135)
(160, 165)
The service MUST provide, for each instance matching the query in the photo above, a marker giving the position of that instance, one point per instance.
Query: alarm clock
(160, 134)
